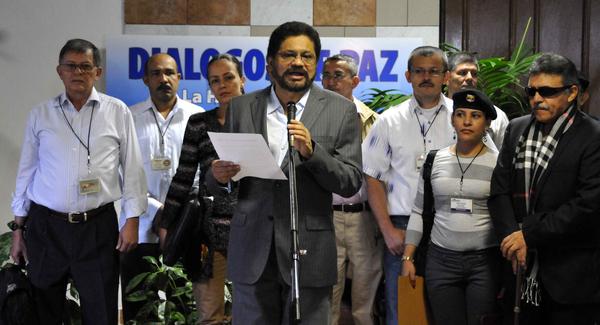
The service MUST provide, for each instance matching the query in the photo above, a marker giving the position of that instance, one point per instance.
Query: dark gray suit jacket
(565, 228)
(262, 212)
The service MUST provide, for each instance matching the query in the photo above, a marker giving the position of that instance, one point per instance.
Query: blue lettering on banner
(368, 67)
(206, 56)
(137, 59)
(190, 74)
(254, 65)
(386, 74)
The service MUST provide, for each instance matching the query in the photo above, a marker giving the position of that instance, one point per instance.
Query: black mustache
(290, 71)
(163, 87)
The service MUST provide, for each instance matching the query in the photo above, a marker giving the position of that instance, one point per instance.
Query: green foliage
(380, 100)
(167, 294)
(5, 241)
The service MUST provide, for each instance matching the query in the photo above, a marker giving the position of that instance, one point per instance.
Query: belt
(77, 217)
(354, 207)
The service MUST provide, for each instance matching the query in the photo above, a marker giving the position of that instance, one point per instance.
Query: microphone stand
(295, 250)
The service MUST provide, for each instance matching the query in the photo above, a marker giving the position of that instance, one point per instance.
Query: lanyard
(462, 172)
(422, 127)
(75, 133)
(161, 133)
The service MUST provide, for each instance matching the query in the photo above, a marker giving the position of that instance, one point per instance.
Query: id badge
(461, 205)
(161, 163)
(419, 162)
(89, 186)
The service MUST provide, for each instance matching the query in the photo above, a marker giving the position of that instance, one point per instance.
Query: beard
(292, 86)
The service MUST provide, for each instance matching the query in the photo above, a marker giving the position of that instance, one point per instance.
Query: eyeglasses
(72, 67)
(289, 57)
(337, 76)
(545, 91)
(432, 72)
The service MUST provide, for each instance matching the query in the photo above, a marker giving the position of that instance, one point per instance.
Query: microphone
(291, 111)
(291, 115)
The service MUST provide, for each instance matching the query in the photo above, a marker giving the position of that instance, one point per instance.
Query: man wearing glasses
(80, 154)
(358, 242)
(545, 200)
(327, 157)
(394, 152)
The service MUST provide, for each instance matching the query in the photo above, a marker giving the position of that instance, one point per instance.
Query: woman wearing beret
(461, 272)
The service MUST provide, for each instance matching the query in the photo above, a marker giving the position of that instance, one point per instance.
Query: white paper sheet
(250, 151)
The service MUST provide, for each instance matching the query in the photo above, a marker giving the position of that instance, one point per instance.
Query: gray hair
(427, 51)
(555, 64)
(460, 58)
(352, 65)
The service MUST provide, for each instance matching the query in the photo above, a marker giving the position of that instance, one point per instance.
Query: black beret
(474, 99)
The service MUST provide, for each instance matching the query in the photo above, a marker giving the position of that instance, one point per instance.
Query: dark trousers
(85, 252)
(462, 286)
(267, 302)
(132, 264)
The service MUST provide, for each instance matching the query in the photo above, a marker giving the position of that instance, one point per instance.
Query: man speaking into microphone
(327, 158)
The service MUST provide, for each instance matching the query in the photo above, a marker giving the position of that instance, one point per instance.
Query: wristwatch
(15, 226)
(407, 258)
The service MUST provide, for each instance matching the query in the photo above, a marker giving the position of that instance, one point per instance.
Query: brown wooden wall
(494, 28)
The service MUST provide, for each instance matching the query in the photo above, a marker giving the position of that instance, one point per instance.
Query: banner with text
(381, 63)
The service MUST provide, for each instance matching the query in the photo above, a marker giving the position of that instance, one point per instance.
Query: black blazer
(565, 228)
(262, 213)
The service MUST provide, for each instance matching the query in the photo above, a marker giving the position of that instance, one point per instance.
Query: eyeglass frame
(288, 57)
(73, 67)
(553, 91)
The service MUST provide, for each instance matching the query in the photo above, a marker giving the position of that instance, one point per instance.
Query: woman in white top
(461, 272)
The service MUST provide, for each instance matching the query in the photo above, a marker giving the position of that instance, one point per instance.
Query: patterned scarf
(532, 156)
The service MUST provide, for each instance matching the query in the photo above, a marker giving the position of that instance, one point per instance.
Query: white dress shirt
(53, 160)
(173, 128)
(277, 124)
(394, 143)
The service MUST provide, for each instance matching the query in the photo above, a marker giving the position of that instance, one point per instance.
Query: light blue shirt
(53, 160)
(173, 127)
(277, 124)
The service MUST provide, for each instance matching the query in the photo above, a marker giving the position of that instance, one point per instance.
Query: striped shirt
(457, 231)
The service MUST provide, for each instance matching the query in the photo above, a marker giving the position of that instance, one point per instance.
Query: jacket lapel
(259, 115)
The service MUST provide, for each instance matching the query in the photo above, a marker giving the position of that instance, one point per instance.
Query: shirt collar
(444, 103)
(275, 105)
(94, 97)
(149, 105)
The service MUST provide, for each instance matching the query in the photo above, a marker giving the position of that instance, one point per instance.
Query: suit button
(277, 185)
(270, 218)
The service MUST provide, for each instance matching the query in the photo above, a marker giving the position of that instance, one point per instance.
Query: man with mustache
(326, 141)
(394, 152)
(545, 201)
(160, 123)
(79, 155)
(463, 74)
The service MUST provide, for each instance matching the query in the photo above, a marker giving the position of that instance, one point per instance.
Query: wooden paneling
(479, 15)
(344, 12)
(222, 12)
(163, 12)
(494, 28)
